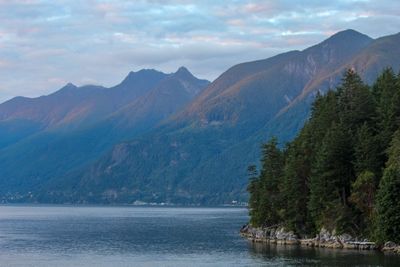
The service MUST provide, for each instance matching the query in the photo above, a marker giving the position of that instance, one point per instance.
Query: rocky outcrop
(276, 235)
(391, 247)
(325, 238)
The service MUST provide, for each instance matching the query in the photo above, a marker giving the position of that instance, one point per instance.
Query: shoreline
(41, 204)
(325, 239)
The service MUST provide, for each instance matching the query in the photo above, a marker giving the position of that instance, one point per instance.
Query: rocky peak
(184, 73)
(348, 35)
(69, 86)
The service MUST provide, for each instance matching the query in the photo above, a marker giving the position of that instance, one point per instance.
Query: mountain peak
(141, 77)
(348, 32)
(183, 73)
(70, 85)
(348, 35)
(142, 72)
(182, 69)
(341, 45)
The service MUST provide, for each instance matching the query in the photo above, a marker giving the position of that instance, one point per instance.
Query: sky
(45, 44)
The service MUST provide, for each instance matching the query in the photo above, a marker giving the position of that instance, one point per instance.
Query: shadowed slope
(50, 153)
(200, 155)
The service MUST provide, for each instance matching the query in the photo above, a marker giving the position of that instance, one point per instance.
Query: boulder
(390, 245)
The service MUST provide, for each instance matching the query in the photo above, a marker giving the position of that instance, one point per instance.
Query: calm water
(139, 236)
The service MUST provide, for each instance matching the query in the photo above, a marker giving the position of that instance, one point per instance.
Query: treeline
(342, 171)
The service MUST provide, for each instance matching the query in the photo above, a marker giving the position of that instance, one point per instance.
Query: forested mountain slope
(341, 172)
(200, 154)
(58, 142)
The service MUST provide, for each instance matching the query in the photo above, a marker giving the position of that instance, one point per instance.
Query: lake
(150, 236)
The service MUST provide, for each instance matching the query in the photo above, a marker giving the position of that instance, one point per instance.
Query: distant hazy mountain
(71, 106)
(199, 154)
(55, 134)
(167, 97)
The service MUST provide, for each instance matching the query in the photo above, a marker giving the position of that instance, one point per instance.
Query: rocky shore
(325, 239)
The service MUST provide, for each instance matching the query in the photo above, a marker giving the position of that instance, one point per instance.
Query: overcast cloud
(45, 43)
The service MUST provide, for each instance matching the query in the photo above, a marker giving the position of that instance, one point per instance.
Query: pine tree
(356, 104)
(388, 206)
(330, 175)
(386, 91)
(271, 173)
(386, 94)
(324, 113)
(254, 190)
(294, 187)
(366, 151)
(331, 178)
(363, 197)
(388, 197)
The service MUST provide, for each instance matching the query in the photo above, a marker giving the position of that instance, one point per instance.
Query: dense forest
(342, 171)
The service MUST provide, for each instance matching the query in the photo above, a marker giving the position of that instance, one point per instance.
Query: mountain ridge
(198, 154)
(179, 159)
(56, 150)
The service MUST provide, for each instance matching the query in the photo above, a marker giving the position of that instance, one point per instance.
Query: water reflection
(307, 256)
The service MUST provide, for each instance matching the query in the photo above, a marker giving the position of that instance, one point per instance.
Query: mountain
(71, 106)
(274, 82)
(199, 153)
(122, 112)
(169, 96)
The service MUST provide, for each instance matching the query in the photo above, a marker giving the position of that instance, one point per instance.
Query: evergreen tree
(356, 104)
(388, 206)
(386, 94)
(271, 173)
(363, 197)
(386, 91)
(388, 197)
(295, 185)
(329, 175)
(254, 190)
(331, 178)
(324, 112)
(366, 151)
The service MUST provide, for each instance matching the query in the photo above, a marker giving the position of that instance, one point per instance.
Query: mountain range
(172, 138)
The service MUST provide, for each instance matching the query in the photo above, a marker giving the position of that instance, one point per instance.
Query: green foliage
(388, 206)
(388, 197)
(355, 101)
(394, 151)
(363, 198)
(254, 189)
(329, 175)
(270, 176)
(294, 186)
(386, 91)
(367, 151)
(363, 195)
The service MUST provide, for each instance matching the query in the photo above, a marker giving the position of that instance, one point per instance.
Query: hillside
(341, 172)
(184, 145)
(122, 112)
(71, 106)
(200, 154)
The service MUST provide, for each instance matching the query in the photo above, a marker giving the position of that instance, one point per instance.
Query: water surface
(150, 236)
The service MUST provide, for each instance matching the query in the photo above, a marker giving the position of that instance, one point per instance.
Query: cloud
(45, 43)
